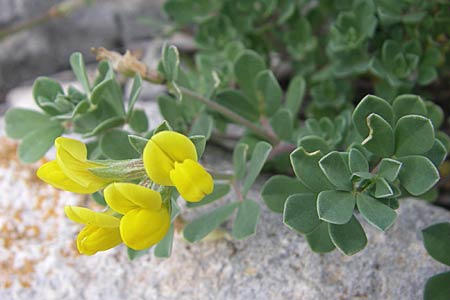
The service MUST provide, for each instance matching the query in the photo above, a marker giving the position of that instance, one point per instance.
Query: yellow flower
(170, 159)
(70, 169)
(145, 221)
(100, 233)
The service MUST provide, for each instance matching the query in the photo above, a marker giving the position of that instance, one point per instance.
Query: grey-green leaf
(380, 140)
(300, 213)
(162, 127)
(246, 68)
(376, 213)
(36, 143)
(137, 142)
(349, 238)
(199, 143)
(319, 240)
(405, 105)
(306, 167)
(203, 125)
(109, 92)
(313, 143)
(337, 171)
(436, 239)
(21, 121)
(164, 248)
(357, 161)
(138, 121)
(278, 188)
(239, 103)
(202, 226)
(413, 135)
(391, 202)
(418, 174)
(389, 168)
(114, 145)
(136, 89)
(259, 156)
(79, 69)
(437, 287)
(368, 105)
(170, 62)
(268, 91)
(240, 160)
(46, 89)
(437, 153)
(172, 111)
(383, 189)
(282, 124)
(295, 94)
(99, 199)
(106, 125)
(435, 114)
(335, 206)
(246, 219)
(134, 254)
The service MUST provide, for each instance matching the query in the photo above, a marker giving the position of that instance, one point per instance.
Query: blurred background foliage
(342, 49)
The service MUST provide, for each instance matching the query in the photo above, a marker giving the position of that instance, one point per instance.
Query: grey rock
(45, 49)
(14, 10)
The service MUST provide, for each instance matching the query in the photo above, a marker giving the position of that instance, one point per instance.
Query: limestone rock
(46, 48)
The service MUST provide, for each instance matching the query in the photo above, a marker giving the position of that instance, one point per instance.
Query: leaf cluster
(97, 112)
(390, 47)
(397, 153)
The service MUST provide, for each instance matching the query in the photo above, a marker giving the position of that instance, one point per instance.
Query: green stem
(231, 115)
(121, 170)
(156, 78)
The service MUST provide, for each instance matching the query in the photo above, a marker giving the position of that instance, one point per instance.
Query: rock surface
(46, 48)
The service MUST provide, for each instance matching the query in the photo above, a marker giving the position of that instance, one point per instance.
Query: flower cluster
(137, 215)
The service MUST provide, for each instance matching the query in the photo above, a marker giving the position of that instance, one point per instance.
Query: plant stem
(281, 148)
(220, 176)
(231, 115)
(237, 190)
(154, 77)
(57, 11)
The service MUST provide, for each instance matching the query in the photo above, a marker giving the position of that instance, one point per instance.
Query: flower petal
(177, 146)
(71, 158)
(123, 197)
(191, 180)
(89, 217)
(92, 239)
(162, 150)
(143, 228)
(76, 148)
(51, 173)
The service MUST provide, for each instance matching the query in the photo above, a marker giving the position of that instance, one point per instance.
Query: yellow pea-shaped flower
(70, 170)
(100, 233)
(170, 159)
(145, 219)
